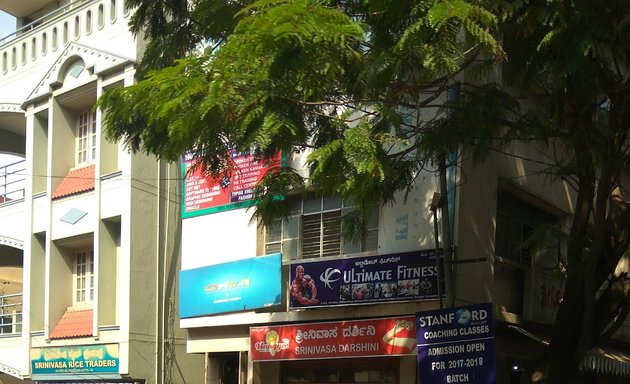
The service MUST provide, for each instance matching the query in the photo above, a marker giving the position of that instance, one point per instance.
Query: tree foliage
(356, 85)
(343, 80)
(568, 81)
(573, 60)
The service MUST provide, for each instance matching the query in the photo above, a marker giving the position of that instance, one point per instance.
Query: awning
(605, 360)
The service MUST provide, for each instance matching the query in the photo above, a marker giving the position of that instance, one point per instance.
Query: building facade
(89, 246)
(114, 270)
(296, 303)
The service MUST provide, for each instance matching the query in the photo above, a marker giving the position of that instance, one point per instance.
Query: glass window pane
(291, 228)
(290, 249)
(312, 205)
(273, 232)
(272, 248)
(295, 206)
(332, 203)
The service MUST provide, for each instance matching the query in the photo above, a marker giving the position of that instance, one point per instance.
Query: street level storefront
(355, 351)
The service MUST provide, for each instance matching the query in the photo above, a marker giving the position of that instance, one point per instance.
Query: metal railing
(10, 313)
(12, 181)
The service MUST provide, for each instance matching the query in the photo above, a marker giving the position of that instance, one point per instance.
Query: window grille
(314, 229)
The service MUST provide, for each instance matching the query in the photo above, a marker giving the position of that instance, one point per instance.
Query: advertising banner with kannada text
(102, 358)
(374, 337)
(203, 196)
(228, 287)
(456, 345)
(358, 280)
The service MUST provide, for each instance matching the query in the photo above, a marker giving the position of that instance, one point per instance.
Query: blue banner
(456, 345)
(359, 280)
(229, 287)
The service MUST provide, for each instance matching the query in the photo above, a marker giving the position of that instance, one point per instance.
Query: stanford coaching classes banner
(375, 337)
(358, 280)
(456, 345)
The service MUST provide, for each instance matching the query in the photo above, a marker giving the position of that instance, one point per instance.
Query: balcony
(12, 214)
(30, 52)
(11, 314)
(12, 182)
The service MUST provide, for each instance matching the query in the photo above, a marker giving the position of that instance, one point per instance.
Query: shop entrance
(224, 368)
(371, 370)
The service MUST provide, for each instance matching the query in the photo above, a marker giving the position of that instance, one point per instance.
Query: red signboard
(202, 195)
(375, 337)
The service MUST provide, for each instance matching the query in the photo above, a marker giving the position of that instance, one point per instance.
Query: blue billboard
(456, 345)
(229, 287)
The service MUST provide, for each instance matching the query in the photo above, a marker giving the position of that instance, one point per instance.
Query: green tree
(572, 58)
(566, 88)
(351, 82)
(345, 79)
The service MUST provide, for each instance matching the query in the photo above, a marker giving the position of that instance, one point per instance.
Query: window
(83, 277)
(88, 22)
(44, 43)
(33, 49)
(100, 17)
(55, 39)
(112, 11)
(86, 138)
(314, 230)
(516, 220)
(65, 33)
(77, 27)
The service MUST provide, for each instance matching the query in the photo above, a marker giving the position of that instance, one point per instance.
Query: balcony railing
(12, 182)
(50, 16)
(72, 22)
(10, 314)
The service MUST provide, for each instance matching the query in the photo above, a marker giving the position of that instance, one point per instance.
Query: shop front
(378, 350)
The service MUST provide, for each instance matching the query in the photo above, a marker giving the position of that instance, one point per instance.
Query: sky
(7, 25)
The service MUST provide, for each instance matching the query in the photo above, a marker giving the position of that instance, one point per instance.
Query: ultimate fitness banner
(374, 337)
(358, 280)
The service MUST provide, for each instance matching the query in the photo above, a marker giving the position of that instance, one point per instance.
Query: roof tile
(77, 181)
(73, 323)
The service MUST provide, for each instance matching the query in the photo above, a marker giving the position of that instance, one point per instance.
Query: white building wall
(218, 238)
(132, 215)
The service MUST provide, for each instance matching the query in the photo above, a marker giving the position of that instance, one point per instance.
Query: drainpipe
(158, 283)
(435, 204)
(452, 96)
(449, 285)
(164, 261)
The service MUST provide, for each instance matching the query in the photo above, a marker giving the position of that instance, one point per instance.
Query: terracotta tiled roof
(73, 323)
(77, 181)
